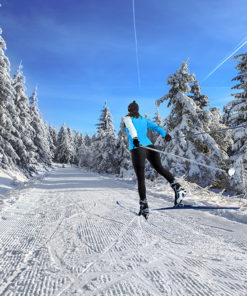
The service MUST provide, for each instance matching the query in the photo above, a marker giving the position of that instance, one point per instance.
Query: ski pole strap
(184, 158)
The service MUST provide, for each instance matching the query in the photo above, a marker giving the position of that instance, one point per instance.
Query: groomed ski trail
(66, 236)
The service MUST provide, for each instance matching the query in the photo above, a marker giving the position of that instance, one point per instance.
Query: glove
(168, 138)
(136, 142)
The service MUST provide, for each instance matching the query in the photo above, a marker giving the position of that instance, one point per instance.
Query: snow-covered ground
(65, 235)
(13, 180)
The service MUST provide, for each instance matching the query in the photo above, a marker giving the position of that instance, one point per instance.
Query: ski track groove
(198, 230)
(57, 242)
(91, 264)
(94, 237)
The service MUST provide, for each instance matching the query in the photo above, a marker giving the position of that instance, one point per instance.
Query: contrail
(245, 39)
(137, 60)
(227, 58)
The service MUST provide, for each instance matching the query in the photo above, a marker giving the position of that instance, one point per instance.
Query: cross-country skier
(136, 128)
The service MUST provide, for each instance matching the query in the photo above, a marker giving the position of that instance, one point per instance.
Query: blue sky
(81, 53)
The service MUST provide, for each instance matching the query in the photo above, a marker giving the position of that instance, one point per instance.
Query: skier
(136, 128)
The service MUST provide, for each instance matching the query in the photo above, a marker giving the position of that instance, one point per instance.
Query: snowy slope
(66, 236)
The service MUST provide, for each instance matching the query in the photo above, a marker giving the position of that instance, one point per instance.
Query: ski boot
(144, 210)
(180, 194)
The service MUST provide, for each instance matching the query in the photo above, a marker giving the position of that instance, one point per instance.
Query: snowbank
(13, 180)
(197, 195)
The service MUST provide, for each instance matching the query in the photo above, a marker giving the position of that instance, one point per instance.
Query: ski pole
(213, 131)
(230, 172)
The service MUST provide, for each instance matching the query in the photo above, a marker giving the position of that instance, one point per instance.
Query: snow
(65, 235)
(11, 181)
(189, 123)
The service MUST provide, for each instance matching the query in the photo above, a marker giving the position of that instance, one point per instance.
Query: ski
(135, 213)
(192, 207)
(127, 209)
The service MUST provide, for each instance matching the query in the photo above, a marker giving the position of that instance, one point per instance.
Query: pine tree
(123, 154)
(64, 153)
(96, 152)
(199, 99)
(235, 115)
(236, 110)
(29, 161)
(41, 132)
(72, 145)
(105, 121)
(53, 140)
(88, 140)
(241, 77)
(104, 145)
(83, 154)
(214, 119)
(12, 149)
(159, 121)
(184, 122)
(78, 141)
(179, 82)
(157, 117)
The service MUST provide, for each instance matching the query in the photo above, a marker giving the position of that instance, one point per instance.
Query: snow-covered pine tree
(105, 120)
(200, 99)
(159, 121)
(123, 153)
(78, 139)
(79, 142)
(157, 117)
(72, 145)
(179, 82)
(96, 152)
(29, 159)
(183, 123)
(88, 140)
(41, 133)
(235, 115)
(53, 140)
(212, 118)
(104, 145)
(84, 153)
(64, 153)
(12, 148)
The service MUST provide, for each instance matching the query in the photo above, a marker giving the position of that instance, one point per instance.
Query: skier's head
(133, 109)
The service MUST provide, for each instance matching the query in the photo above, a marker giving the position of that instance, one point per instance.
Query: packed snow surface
(65, 235)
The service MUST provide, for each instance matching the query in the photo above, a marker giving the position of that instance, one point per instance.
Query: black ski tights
(139, 156)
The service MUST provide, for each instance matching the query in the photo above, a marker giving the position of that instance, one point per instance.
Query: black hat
(133, 107)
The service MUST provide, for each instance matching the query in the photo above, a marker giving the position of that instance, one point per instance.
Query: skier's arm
(154, 127)
(130, 126)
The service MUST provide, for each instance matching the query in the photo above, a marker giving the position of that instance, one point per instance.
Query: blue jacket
(138, 127)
